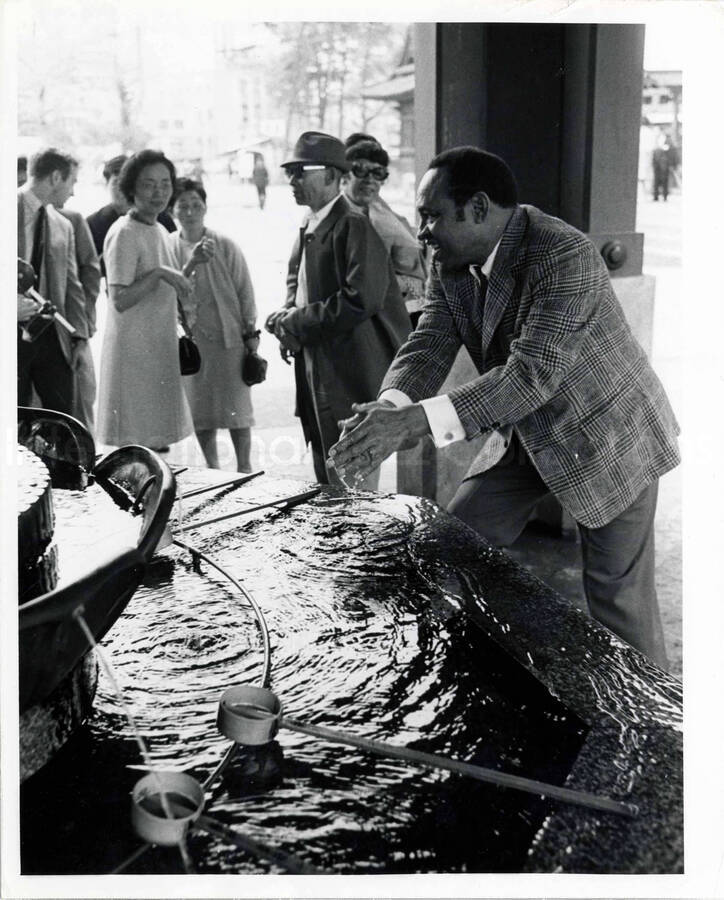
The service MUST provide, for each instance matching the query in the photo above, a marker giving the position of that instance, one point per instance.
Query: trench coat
(355, 319)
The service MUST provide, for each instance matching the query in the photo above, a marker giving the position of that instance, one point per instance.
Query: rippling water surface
(363, 639)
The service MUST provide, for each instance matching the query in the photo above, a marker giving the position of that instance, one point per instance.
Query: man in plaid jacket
(565, 394)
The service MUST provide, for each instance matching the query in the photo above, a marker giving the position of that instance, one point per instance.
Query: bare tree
(324, 66)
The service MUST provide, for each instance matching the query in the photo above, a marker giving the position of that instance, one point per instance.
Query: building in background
(209, 91)
(208, 108)
(662, 101)
(399, 90)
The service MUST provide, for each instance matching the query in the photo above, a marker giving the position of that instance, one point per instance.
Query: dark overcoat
(355, 319)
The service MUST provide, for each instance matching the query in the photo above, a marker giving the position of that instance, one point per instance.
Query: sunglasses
(298, 170)
(379, 173)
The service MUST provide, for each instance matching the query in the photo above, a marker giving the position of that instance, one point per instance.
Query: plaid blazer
(557, 360)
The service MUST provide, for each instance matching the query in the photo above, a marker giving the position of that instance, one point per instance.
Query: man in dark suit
(565, 394)
(344, 317)
(661, 160)
(46, 240)
(101, 220)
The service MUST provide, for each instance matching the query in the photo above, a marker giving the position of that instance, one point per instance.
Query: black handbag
(188, 353)
(253, 368)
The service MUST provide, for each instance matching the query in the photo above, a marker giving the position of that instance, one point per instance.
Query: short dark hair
(45, 162)
(189, 184)
(359, 136)
(22, 163)
(134, 165)
(471, 169)
(364, 146)
(113, 166)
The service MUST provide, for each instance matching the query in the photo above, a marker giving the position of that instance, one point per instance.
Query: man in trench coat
(344, 318)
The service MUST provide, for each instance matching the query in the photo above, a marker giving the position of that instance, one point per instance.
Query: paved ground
(266, 238)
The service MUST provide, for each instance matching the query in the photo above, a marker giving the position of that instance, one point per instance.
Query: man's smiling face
(451, 231)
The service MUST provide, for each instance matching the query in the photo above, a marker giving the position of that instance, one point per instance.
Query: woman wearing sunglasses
(369, 161)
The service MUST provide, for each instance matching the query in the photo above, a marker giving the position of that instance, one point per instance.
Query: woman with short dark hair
(222, 313)
(369, 170)
(141, 398)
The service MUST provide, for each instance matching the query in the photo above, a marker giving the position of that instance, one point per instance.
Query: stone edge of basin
(634, 748)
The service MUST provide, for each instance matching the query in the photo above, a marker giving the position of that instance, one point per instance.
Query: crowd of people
(564, 395)
(160, 262)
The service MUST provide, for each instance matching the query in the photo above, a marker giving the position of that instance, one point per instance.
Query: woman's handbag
(253, 368)
(188, 353)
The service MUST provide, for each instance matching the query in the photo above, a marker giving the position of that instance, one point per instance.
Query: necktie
(477, 310)
(36, 260)
(482, 280)
(302, 237)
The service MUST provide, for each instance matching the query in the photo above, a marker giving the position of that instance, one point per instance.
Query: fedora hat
(317, 148)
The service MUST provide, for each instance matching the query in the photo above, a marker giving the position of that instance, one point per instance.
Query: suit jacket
(557, 360)
(64, 289)
(89, 268)
(355, 319)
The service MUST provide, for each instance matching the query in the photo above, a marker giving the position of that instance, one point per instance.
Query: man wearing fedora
(344, 317)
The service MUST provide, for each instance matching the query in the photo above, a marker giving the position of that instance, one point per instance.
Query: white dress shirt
(310, 222)
(444, 422)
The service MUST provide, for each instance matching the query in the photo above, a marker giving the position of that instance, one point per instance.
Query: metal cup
(184, 798)
(249, 715)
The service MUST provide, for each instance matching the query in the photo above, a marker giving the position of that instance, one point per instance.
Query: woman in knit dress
(141, 398)
(222, 315)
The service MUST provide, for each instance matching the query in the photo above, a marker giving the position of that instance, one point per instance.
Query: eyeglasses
(379, 173)
(298, 170)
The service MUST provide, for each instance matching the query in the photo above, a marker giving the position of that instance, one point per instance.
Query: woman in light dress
(141, 397)
(221, 313)
(369, 170)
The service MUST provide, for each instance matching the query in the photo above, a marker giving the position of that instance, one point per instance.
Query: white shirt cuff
(397, 398)
(444, 422)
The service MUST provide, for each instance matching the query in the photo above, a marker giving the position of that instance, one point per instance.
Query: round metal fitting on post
(614, 254)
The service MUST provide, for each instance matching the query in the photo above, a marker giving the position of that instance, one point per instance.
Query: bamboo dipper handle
(580, 798)
(283, 502)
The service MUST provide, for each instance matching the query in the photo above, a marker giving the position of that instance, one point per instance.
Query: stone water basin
(390, 619)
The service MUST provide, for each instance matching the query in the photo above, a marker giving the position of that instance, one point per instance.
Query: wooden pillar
(425, 39)
(417, 468)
